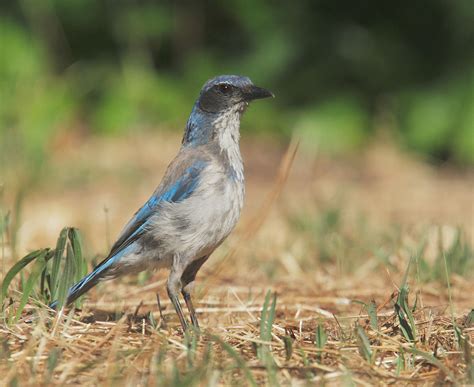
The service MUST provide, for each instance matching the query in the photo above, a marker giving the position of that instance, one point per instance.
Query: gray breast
(197, 225)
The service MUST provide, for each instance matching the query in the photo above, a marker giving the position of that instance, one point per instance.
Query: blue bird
(196, 205)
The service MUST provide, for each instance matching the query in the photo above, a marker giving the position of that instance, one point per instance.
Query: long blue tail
(85, 284)
(88, 282)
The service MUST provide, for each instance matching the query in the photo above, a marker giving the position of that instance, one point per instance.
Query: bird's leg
(189, 275)
(162, 317)
(186, 292)
(174, 286)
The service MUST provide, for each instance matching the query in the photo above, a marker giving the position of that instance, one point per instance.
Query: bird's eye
(224, 88)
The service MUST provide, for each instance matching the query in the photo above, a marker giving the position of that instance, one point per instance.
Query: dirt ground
(379, 196)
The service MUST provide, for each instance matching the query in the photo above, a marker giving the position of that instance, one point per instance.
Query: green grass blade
(31, 282)
(17, 268)
(457, 330)
(51, 363)
(76, 243)
(266, 325)
(45, 281)
(400, 362)
(411, 318)
(288, 343)
(271, 370)
(268, 359)
(402, 309)
(321, 336)
(67, 278)
(80, 265)
(404, 325)
(320, 339)
(364, 344)
(405, 315)
(263, 317)
(271, 319)
(372, 312)
(58, 254)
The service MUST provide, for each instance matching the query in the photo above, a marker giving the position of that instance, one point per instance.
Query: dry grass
(342, 231)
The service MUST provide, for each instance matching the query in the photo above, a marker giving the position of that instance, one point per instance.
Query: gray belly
(197, 225)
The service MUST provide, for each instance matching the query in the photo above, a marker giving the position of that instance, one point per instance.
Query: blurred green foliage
(336, 67)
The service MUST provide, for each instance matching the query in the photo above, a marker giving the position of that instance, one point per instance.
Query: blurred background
(82, 80)
(337, 68)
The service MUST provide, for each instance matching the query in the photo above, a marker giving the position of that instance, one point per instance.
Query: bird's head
(224, 92)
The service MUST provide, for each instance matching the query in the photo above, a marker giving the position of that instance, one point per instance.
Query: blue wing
(174, 188)
(180, 189)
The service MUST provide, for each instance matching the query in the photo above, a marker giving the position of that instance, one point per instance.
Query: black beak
(257, 93)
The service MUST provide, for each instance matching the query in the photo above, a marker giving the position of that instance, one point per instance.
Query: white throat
(227, 126)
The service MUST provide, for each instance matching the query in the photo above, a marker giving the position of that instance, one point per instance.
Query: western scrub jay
(196, 205)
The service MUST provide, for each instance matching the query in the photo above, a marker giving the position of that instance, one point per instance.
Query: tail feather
(77, 290)
(88, 282)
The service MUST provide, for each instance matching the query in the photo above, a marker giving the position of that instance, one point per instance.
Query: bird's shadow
(100, 315)
(135, 321)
